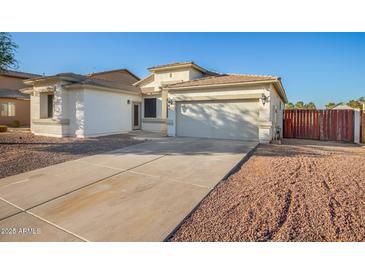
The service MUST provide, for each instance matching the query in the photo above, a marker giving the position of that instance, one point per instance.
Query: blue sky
(318, 67)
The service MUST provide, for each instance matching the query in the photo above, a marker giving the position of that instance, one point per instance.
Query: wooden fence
(327, 125)
(362, 130)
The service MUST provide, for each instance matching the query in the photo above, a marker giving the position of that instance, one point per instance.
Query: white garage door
(218, 119)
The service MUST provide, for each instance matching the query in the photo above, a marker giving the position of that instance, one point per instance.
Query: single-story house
(344, 107)
(178, 99)
(14, 105)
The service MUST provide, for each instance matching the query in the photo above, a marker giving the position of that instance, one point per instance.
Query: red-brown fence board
(328, 125)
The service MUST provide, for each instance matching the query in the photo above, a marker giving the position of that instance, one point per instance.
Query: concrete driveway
(139, 193)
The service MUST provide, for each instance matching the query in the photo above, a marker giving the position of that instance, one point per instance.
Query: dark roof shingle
(19, 74)
(13, 94)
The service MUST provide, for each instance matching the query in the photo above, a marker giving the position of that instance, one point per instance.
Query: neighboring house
(14, 105)
(343, 106)
(179, 99)
(69, 104)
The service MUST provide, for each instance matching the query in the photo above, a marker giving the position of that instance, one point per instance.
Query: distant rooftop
(78, 79)
(183, 64)
(19, 74)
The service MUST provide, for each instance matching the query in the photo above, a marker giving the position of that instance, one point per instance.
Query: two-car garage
(219, 119)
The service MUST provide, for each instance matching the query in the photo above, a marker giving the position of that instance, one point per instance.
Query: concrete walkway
(139, 193)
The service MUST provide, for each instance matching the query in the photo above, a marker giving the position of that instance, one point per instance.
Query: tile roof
(13, 94)
(115, 70)
(224, 79)
(78, 79)
(172, 64)
(176, 64)
(19, 74)
(107, 84)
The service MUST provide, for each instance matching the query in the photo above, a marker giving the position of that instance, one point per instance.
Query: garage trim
(210, 100)
(217, 97)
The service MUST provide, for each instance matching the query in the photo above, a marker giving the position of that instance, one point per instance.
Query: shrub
(15, 123)
(3, 128)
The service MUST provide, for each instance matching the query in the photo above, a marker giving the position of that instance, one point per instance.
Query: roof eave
(143, 80)
(49, 78)
(276, 82)
(83, 86)
(171, 88)
(281, 89)
(189, 65)
(26, 90)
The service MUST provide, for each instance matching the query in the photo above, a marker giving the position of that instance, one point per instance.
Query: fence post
(363, 124)
(357, 124)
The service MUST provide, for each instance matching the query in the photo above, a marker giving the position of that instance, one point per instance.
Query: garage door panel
(221, 120)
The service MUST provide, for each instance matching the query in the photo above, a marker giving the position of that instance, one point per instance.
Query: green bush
(15, 123)
(3, 128)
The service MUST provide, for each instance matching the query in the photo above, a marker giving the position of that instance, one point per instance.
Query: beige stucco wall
(158, 124)
(267, 118)
(153, 124)
(81, 112)
(59, 125)
(22, 107)
(22, 112)
(107, 112)
(8, 82)
(276, 111)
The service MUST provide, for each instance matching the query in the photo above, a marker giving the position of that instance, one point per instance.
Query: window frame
(8, 107)
(150, 112)
(50, 106)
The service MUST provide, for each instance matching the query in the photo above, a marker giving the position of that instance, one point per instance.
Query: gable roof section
(125, 71)
(230, 80)
(150, 77)
(181, 65)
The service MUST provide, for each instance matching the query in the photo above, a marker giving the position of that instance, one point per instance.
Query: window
(7, 109)
(50, 105)
(150, 107)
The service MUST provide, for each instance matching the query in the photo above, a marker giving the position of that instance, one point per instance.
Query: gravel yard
(299, 191)
(22, 151)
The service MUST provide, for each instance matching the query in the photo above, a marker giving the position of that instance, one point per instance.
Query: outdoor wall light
(128, 101)
(264, 98)
(170, 102)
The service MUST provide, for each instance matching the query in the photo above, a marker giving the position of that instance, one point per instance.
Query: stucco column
(265, 123)
(164, 112)
(59, 103)
(171, 121)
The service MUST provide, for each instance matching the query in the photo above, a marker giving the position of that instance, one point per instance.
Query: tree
(299, 105)
(361, 99)
(330, 105)
(354, 104)
(7, 52)
(310, 105)
(289, 106)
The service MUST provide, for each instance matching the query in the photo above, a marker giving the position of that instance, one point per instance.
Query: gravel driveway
(299, 191)
(22, 151)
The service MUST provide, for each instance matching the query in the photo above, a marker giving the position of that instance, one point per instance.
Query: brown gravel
(22, 151)
(298, 191)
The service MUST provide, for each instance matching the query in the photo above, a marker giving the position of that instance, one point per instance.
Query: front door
(136, 119)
